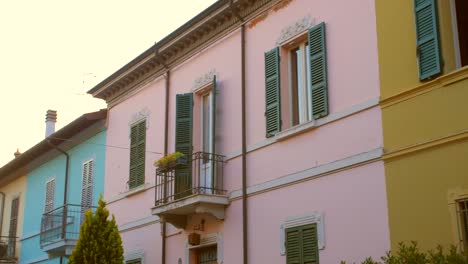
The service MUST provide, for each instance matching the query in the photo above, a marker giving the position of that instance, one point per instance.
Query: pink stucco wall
(352, 200)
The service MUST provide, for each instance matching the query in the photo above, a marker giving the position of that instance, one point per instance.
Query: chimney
(51, 119)
(17, 153)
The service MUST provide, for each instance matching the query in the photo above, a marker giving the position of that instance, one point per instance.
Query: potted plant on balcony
(170, 161)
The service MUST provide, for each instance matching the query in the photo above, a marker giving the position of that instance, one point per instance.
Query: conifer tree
(99, 241)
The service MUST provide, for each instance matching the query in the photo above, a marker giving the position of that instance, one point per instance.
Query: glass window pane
(300, 84)
(308, 83)
(206, 124)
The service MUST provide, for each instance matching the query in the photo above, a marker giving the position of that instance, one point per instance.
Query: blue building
(65, 176)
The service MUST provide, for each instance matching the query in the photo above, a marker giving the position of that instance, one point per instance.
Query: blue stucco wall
(92, 148)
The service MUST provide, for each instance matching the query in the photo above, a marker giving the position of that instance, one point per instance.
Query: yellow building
(423, 56)
(12, 200)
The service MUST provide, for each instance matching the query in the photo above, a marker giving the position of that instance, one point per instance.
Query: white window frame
(206, 241)
(310, 218)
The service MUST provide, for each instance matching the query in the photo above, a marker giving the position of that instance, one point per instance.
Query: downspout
(3, 210)
(244, 153)
(245, 244)
(166, 135)
(65, 193)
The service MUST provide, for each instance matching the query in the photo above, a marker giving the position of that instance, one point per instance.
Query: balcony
(8, 249)
(60, 229)
(191, 186)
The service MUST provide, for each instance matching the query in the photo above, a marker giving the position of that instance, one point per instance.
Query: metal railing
(8, 248)
(202, 173)
(62, 223)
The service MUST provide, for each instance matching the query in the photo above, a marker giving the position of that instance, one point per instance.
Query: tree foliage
(99, 241)
(409, 253)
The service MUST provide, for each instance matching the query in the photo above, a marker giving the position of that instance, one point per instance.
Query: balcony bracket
(179, 221)
(213, 209)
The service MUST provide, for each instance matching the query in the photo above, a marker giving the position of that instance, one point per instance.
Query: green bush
(99, 241)
(409, 253)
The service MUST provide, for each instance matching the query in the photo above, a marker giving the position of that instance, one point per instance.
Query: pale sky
(53, 51)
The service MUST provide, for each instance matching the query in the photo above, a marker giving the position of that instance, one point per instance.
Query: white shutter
(87, 185)
(50, 196)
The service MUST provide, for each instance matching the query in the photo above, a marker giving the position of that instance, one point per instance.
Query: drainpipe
(244, 142)
(65, 193)
(3, 210)
(166, 122)
(244, 153)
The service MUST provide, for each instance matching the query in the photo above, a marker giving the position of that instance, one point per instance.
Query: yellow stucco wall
(425, 129)
(12, 190)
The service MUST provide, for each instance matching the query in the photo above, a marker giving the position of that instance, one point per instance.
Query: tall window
(137, 154)
(461, 7)
(300, 84)
(50, 196)
(463, 223)
(206, 123)
(13, 226)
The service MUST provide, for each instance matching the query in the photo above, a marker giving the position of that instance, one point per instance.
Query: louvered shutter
(87, 187)
(137, 155)
(272, 92)
(427, 38)
(293, 246)
(183, 143)
(302, 245)
(310, 244)
(50, 196)
(318, 71)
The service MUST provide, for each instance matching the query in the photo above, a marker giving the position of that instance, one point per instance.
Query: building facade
(13, 194)
(63, 176)
(275, 107)
(424, 81)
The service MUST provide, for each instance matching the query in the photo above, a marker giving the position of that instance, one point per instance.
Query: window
(463, 223)
(428, 39)
(461, 26)
(302, 244)
(87, 187)
(207, 255)
(49, 220)
(301, 99)
(137, 154)
(186, 177)
(133, 261)
(308, 88)
(13, 227)
(50, 196)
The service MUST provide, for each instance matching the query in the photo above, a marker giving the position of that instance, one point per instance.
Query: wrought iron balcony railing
(202, 173)
(8, 248)
(62, 223)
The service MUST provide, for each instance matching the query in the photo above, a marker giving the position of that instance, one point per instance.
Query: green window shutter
(272, 92)
(302, 245)
(137, 155)
(427, 39)
(318, 71)
(183, 143)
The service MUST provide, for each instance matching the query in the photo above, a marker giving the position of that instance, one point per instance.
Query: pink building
(275, 106)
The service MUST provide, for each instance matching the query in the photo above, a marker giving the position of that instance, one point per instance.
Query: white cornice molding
(295, 29)
(204, 80)
(140, 116)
